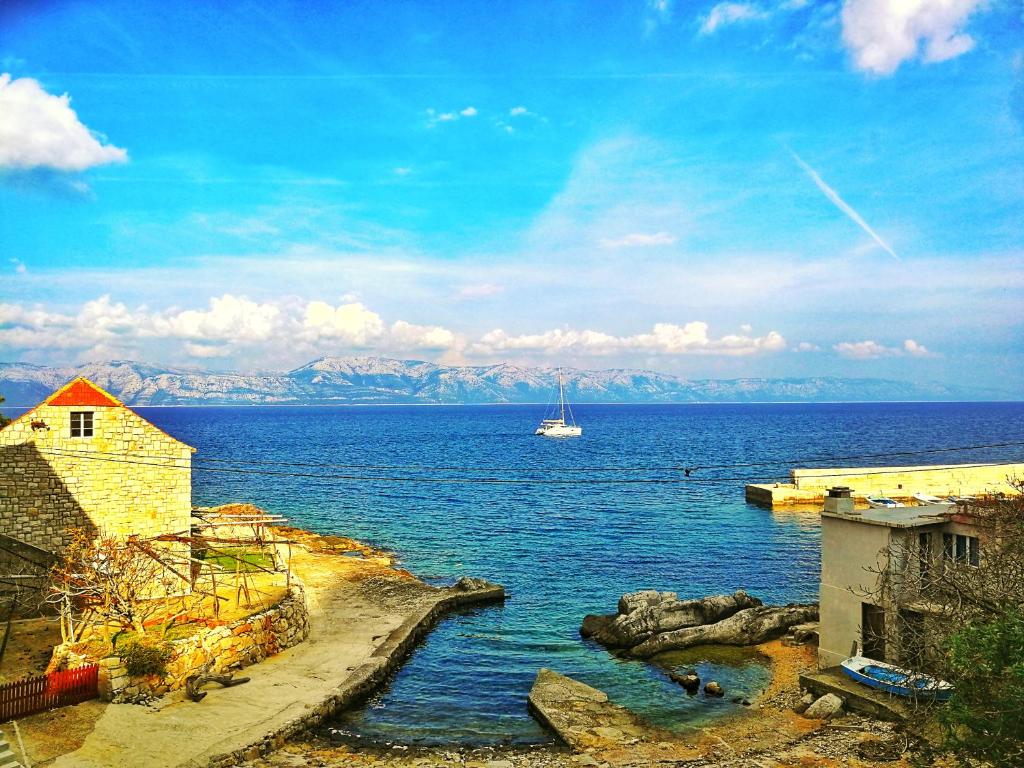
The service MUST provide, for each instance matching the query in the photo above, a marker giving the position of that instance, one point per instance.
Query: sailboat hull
(559, 430)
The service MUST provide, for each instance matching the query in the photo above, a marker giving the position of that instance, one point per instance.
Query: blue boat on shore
(900, 682)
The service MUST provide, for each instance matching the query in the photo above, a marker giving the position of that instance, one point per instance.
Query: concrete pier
(809, 486)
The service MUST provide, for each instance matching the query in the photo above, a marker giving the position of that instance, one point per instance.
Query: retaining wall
(229, 647)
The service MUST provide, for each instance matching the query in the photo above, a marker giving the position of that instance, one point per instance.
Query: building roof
(81, 391)
(897, 517)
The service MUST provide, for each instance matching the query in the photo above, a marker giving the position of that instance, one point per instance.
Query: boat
(925, 498)
(559, 427)
(883, 502)
(901, 682)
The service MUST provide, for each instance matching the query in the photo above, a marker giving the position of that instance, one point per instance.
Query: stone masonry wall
(129, 479)
(230, 647)
(901, 482)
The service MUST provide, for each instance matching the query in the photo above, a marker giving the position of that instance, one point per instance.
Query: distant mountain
(368, 380)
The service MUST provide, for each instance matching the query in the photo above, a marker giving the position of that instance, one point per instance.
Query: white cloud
(882, 34)
(230, 324)
(806, 346)
(871, 350)
(664, 338)
(351, 323)
(842, 205)
(40, 130)
(402, 171)
(229, 318)
(639, 240)
(728, 13)
(914, 349)
(429, 337)
(469, 112)
(518, 111)
(19, 266)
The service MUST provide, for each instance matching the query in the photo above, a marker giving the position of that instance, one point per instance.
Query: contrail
(841, 204)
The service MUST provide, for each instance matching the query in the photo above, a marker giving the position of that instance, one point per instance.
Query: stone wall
(229, 647)
(129, 478)
(901, 482)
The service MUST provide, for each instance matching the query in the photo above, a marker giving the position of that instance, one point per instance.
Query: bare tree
(107, 582)
(954, 600)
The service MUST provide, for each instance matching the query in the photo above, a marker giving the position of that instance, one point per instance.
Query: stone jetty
(651, 622)
(586, 721)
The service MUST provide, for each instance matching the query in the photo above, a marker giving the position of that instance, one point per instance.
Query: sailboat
(558, 427)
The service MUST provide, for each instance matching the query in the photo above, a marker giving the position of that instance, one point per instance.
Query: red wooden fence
(57, 689)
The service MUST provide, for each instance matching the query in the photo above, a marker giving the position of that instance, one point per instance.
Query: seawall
(808, 486)
(367, 677)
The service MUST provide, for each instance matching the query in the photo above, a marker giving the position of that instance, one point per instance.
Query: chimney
(839, 500)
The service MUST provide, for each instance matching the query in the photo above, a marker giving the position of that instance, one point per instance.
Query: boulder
(749, 626)
(827, 706)
(689, 680)
(714, 689)
(643, 615)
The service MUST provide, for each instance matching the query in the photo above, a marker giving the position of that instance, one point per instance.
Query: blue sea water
(564, 545)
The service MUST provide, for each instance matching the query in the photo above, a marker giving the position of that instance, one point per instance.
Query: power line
(675, 480)
(675, 468)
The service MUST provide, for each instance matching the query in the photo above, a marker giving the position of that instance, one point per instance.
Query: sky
(732, 189)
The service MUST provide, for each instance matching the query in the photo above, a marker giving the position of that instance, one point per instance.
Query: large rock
(644, 615)
(827, 706)
(749, 626)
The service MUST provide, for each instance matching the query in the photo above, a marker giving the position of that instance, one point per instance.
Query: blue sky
(733, 189)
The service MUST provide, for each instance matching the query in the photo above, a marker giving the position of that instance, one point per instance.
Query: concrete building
(82, 459)
(909, 547)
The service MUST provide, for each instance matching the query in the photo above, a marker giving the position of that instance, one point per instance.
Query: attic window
(81, 423)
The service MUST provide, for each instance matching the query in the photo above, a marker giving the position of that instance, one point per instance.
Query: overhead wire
(420, 478)
(673, 468)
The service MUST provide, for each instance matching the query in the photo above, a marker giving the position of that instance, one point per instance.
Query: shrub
(143, 658)
(983, 718)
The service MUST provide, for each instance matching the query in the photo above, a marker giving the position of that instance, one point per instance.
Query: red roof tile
(81, 392)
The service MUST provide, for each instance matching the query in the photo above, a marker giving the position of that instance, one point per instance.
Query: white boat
(883, 502)
(560, 427)
(925, 498)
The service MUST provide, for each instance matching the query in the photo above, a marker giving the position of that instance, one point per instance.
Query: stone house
(82, 459)
(911, 548)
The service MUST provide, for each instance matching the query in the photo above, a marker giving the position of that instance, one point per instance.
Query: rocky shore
(779, 729)
(651, 622)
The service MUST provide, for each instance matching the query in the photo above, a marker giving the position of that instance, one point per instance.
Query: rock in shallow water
(746, 627)
(643, 615)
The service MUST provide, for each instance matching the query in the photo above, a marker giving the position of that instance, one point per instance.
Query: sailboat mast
(561, 396)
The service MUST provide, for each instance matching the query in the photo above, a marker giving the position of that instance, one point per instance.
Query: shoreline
(365, 616)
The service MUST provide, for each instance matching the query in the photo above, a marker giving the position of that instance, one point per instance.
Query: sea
(567, 526)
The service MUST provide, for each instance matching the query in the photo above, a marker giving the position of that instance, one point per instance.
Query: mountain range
(377, 380)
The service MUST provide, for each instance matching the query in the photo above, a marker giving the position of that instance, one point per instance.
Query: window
(961, 549)
(81, 423)
(973, 556)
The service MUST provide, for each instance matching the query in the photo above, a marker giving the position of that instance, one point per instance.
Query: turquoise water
(568, 549)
